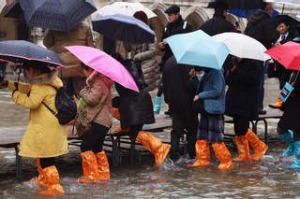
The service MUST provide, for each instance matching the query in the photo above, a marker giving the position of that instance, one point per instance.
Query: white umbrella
(243, 46)
(125, 8)
(290, 2)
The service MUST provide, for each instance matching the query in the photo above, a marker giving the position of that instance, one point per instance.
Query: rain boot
(157, 105)
(103, 165)
(223, 156)
(296, 164)
(259, 147)
(52, 184)
(40, 180)
(202, 153)
(191, 143)
(90, 168)
(154, 145)
(278, 102)
(175, 145)
(289, 139)
(243, 148)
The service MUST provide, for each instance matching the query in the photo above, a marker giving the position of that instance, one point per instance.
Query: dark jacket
(216, 25)
(178, 27)
(262, 28)
(135, 108)
(179, 89)
(291, 108)
(241, 97)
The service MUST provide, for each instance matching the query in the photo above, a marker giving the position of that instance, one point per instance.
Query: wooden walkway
(11, 136)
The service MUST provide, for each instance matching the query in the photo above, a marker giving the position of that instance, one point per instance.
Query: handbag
(82, 123)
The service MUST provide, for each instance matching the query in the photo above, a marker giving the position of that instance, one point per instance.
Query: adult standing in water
(176, 25)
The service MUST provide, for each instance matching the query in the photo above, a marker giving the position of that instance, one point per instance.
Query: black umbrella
(12, 10)
(61, 15)
(239, 4)
(292, 19)
(20, 51)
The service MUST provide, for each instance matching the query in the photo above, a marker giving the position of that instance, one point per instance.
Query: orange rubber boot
(202, 154)
(155, 146)
(278, 102)
(103, 165)
(258, 146)
(52, 184)
(90, 168)
(243, 149)
(40, 180)
(223, 156)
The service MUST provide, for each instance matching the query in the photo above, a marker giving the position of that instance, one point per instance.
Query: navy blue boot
(289, 139)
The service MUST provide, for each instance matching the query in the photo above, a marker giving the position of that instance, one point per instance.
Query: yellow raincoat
(44, 136)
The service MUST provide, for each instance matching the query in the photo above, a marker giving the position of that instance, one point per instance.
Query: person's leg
(241, 127)
(261, 87)
(100, 132)
(51, 180)
(89, 160)
(202, 145)
(215, 136)
(287, 136)
(296, 164)
(133, 132)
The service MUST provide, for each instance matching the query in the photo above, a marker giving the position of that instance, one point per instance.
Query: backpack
(65, 105)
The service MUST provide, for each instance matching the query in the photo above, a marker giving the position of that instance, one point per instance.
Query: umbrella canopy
(18, 51)
(199, 49)
(287, 54)
(243, 46)
(125, 8)
(239, 4)
(12, 10)
(104, 64)
(61, 15)
(124, 28)
(290, 2)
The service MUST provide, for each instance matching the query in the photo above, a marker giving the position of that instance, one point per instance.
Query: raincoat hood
(47, 78)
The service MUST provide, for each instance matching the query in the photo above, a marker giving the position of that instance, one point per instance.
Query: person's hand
(196, 98)
(162, 44)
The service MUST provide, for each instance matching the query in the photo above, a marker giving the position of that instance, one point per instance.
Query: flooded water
(267, 179)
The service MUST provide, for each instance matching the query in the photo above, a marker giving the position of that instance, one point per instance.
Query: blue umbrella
(19, 51)
(124, 28)
(61, 15)
(199, 49)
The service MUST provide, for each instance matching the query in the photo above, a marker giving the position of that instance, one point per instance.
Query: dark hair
(141, 15)
(36, 65)
(85, 67)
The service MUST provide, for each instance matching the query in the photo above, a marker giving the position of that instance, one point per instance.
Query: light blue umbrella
(199, 49)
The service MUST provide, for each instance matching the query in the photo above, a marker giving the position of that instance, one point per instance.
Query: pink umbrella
(104, 64)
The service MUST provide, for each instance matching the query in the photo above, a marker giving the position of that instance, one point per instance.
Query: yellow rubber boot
(202, 154)
(155, 146)
(259, 147)
(103, 165)
(223, 156)
(52, 184)
(243, 149)
(90, 168)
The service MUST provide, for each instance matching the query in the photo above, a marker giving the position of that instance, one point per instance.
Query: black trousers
(241, 125)
(94, 139)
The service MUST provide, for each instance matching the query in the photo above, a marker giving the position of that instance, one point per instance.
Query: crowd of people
(186, 94)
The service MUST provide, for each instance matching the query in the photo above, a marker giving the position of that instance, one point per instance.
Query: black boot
(174, 152)
(191, 142)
